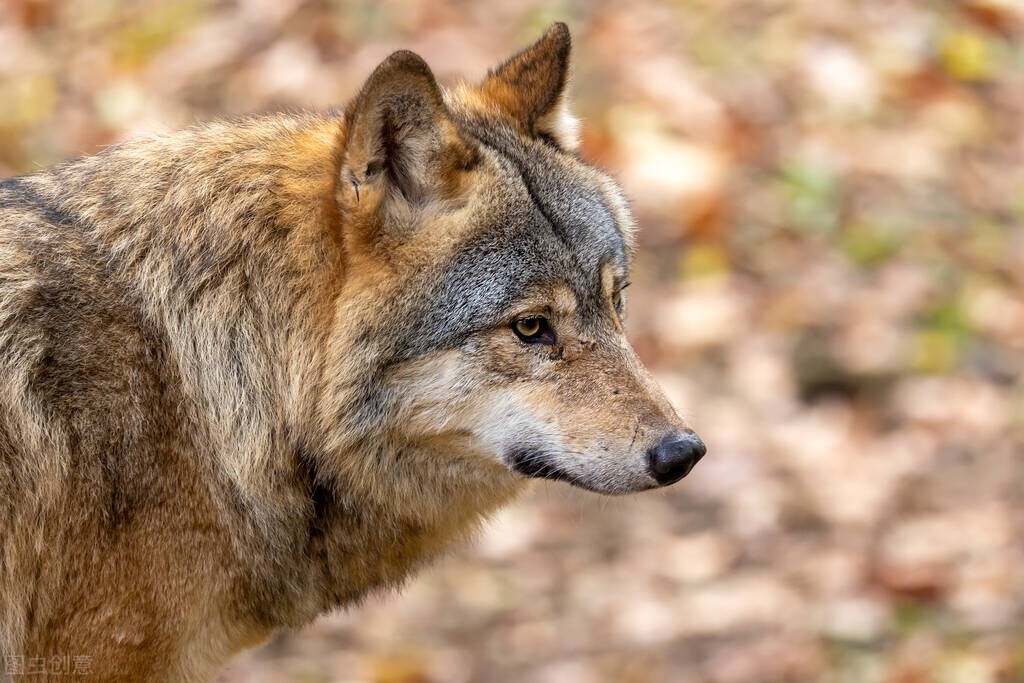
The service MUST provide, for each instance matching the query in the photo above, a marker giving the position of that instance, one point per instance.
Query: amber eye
(617, 299)
(534, 330)
(528, 327)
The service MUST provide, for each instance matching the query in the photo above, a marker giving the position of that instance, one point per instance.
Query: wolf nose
(675, 456)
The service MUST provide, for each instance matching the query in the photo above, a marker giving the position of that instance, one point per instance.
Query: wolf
(252, 371)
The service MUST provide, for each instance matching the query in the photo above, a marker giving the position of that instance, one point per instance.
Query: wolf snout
(674, 457)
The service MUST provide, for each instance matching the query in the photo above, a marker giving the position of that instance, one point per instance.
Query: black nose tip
(675, 456)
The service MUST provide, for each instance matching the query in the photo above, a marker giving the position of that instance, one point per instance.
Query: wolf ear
(397, 131)
(530, 88)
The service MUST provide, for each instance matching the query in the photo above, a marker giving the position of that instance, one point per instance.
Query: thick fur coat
(251, 371)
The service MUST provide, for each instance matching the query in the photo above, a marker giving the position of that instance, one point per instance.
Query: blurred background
(830, 286)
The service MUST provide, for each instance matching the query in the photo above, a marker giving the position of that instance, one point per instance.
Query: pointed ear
(530, 88)
(398, 133)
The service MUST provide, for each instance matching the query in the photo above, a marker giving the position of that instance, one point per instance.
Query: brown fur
(217, 413)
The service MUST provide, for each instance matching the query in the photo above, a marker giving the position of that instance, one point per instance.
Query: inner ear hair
(396, 126)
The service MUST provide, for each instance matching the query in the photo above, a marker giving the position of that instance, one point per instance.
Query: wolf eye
(534, 330)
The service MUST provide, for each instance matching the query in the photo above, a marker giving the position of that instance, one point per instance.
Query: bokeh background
(830, 286)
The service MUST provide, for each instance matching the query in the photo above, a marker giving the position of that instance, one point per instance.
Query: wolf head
(483, 300)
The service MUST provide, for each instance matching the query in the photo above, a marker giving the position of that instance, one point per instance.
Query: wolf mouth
(536, 463)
